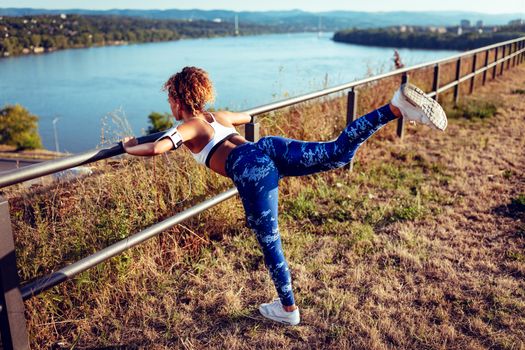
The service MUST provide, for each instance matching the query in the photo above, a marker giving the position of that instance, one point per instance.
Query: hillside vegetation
(44, 33)
(425, 39)
(419, 247)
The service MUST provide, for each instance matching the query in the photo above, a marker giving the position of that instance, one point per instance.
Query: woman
(256, 168)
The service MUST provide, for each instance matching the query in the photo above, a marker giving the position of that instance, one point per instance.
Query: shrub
(18, 127)
(159, 122)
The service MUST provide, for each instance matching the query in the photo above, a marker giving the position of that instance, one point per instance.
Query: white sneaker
(274, 311)
(417, 106)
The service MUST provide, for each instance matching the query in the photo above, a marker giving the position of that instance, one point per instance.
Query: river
(111, 90)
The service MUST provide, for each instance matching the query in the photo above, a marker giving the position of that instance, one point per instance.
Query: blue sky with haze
(500, 6)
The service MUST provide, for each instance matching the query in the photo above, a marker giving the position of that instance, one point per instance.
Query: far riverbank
(391, 37)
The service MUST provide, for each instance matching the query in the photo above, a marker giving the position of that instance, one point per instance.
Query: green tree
(159, 122)
(48, 42)
(36, 40)
(10, 45)
(132, 37)
(86, 39)
(18, 127)
(61, 42)
(98, 38)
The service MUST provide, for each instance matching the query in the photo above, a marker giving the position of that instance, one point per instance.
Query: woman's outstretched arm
(235, 118)
(131, 146)
(172, 139)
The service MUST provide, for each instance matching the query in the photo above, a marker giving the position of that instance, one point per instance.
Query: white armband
(174, 135)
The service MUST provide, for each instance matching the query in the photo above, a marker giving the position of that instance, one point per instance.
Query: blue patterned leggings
(256, 168)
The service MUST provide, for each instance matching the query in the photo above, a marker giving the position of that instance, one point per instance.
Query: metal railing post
(486, 65)
(435, 81)
(458, 75)
(495, 68)
(400, 121)
(523, 53)
(251, 130)
(520, 47)
(12, 319)
(520, 56)
(351, 107)
(509, 61)
(508, 54)
(516, 48)
(474, 59)
(503, 55)
(351, 114)
(516, 57)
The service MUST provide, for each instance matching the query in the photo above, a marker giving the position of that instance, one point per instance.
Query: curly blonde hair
(192, 86)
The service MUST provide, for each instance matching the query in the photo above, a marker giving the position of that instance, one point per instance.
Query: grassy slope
(418, 247)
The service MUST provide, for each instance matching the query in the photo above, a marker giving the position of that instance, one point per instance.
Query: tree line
(19, 128)
(35, 34)
(391, 37)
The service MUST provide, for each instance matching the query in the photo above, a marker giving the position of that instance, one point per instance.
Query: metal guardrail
(12, 320)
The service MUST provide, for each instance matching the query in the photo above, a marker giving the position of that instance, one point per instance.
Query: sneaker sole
(282, 321)
(417, 97)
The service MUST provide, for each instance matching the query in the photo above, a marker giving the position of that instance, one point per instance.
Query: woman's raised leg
(296, 158)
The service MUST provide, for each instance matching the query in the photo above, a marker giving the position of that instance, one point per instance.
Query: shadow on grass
(236, 324)
(515, 209)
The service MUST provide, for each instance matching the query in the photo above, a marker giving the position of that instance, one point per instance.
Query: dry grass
(420, 247)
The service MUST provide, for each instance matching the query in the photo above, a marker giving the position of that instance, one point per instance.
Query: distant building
(63, 16)
(217, 20)
(517, 22)
(465, 23)
(479, 24)
(438, 30)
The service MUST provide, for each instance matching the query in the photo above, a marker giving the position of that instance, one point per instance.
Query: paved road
(13, 163)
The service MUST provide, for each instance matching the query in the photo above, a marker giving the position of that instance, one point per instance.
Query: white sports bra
(221, 133)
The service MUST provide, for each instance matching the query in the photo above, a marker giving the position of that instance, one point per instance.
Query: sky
(486, 6)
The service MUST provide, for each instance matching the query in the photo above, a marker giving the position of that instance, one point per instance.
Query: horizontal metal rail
(12, 177)
(473, 74)
(36, 287)
(30, 172)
